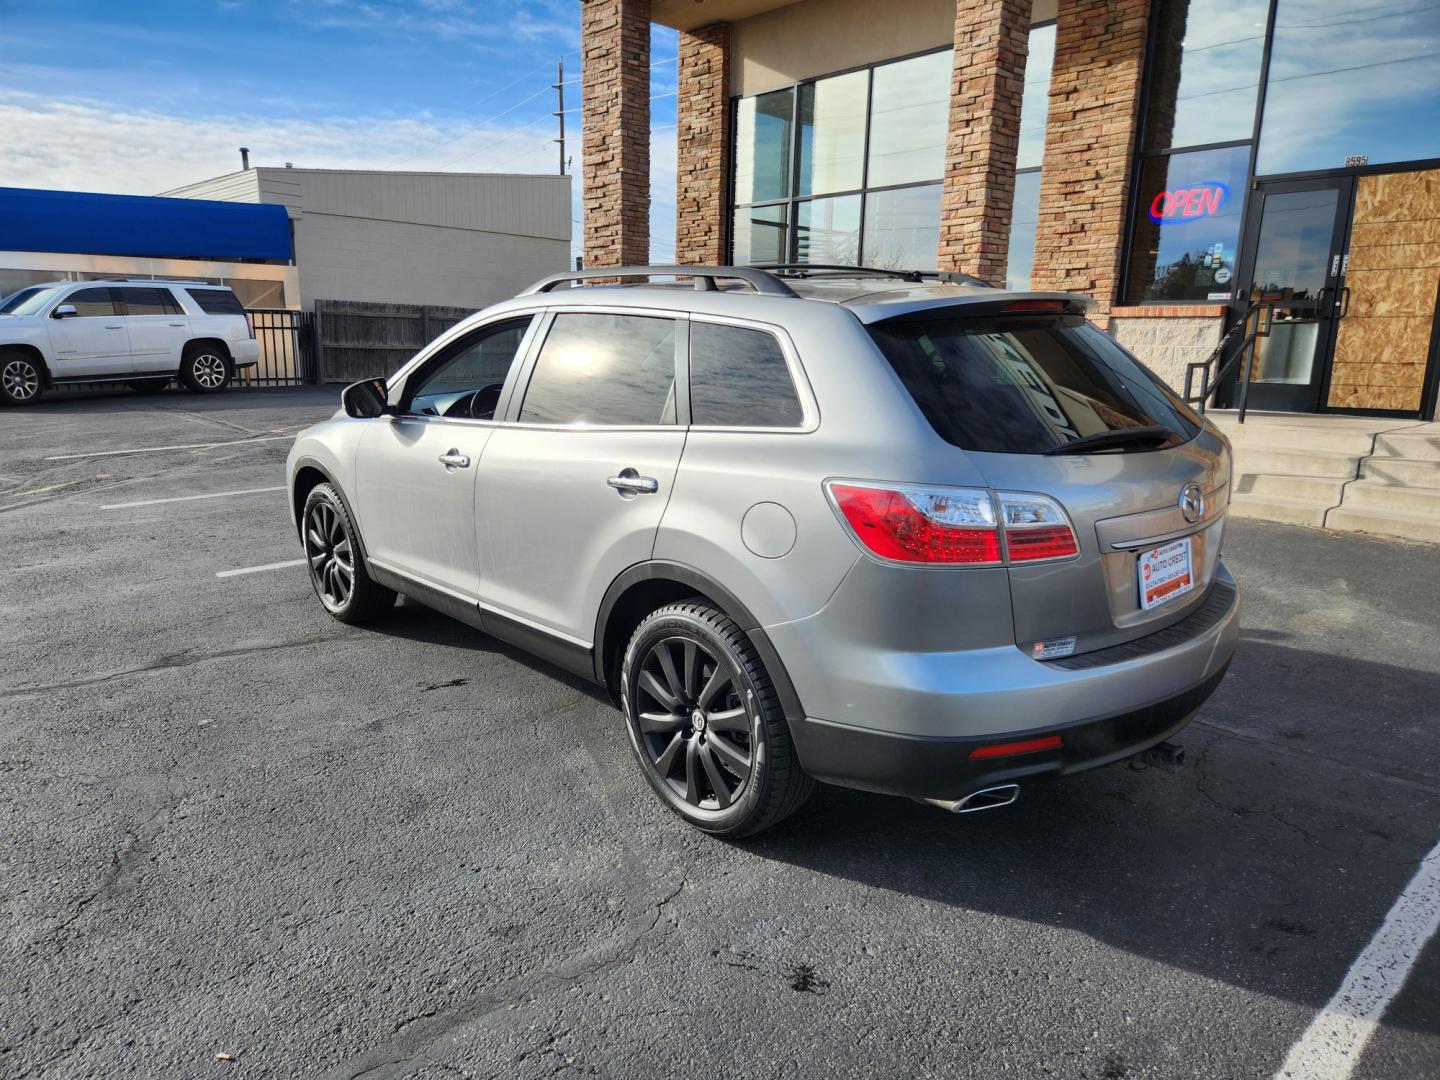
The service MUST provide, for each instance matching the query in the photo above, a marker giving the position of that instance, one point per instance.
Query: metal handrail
(1256, 323)
(760, 280)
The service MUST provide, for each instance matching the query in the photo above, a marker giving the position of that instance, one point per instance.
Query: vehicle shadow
(1267, 862)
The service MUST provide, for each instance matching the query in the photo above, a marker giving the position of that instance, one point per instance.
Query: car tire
(205, 369)
(149, 386)
(335, 562)
(22, 378)
(706, 724)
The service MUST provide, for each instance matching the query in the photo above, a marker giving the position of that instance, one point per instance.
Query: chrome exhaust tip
(991, 798)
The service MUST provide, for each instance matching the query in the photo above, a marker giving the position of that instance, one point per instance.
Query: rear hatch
(1042, 402)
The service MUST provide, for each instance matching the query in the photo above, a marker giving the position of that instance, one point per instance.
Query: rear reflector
(912, 524)
(1013, 749)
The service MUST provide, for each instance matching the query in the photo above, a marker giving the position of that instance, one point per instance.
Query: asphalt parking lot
(233, 826)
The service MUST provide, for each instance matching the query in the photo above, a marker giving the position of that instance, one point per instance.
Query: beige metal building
(451, 239)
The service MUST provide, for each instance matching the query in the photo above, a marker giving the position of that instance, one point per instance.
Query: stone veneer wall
(987, 83)
(1089, 147)
(1168, 338)
(702, 163)
(615, 104)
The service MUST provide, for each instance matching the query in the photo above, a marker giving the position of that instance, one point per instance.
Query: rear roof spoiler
(974, 306)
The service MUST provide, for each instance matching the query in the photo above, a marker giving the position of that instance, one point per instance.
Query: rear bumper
(910, 722)
(245, 353)
(936, 768)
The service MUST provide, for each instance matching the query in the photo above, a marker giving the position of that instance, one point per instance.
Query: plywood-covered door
(1392, 279)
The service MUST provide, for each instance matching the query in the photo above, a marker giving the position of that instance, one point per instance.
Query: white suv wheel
(20, 379)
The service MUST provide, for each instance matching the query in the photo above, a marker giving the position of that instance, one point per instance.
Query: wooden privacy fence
(356, 339)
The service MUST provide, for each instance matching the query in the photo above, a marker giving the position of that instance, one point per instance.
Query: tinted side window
(216, 301)
(149, 302)
(467, 380)
(91, 303)
(604, 369)
(738, 378)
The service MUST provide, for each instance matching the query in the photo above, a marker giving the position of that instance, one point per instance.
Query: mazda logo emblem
(1192, 503)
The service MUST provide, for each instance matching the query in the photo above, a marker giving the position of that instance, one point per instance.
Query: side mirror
(64, 311)
(365, 399)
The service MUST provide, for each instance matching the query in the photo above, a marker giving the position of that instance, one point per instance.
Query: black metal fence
(287, 349)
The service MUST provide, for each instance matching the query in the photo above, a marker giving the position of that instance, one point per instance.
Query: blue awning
(89, 223)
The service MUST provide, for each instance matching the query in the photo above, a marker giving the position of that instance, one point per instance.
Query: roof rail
(904, 275)
(164, 281)
(705, 276)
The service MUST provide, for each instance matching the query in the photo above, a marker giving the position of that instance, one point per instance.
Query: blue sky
(141, 97)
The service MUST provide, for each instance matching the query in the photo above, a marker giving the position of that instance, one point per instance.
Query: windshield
(27, 301)
(1023, 384)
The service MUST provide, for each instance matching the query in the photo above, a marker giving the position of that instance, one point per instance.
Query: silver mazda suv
(896, 531)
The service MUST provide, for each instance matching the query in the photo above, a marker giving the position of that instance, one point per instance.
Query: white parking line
(1332, 1044)
(257, 569)
(190, 498)
(159, 449)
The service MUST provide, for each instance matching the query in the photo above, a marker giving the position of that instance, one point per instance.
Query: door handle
(118, 326)
(452, 459)
(629, 482)
(177, 324)
(1343, 302)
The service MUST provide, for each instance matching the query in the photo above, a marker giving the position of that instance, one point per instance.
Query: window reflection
(762, 147)
(902, 228)
(1378, 97)
(1035, 105)
(910, 120)
(828, 231)
(832, 134)
(1025, 214)
(759, 235)
(1187, 225)
(1205, 71)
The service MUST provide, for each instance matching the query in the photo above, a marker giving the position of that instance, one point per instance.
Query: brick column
(986, 87)
(702, 173)
(615, 100)
(1089, 147)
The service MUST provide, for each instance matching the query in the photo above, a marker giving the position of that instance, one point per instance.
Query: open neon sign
(1189, 203)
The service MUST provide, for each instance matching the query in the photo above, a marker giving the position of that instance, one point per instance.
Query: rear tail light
(1036, 528)
(909, 523)
(922, 525)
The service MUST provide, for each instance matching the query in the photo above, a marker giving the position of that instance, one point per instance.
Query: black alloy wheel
(693, 723)
(331, 555)
(706, 723)
(335, 561)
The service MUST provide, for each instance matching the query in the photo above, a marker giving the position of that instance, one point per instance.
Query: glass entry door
(1294, 255)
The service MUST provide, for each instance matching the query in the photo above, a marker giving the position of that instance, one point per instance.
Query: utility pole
(560, 113)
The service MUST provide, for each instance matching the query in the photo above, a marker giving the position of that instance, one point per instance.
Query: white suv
(140, 332)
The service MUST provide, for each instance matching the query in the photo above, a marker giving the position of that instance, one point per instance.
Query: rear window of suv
(217, 301)
(1029, 384)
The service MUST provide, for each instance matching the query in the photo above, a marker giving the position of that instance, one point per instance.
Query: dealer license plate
(1165, 573)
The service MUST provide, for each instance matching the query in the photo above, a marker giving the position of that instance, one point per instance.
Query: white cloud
(81, 145)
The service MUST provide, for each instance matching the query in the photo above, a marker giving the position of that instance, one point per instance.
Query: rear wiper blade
(1119, 437)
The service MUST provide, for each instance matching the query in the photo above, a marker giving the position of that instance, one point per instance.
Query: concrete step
(1277, 508)
(1278, 462)
(1402, 472)
(1411, 527)
(1324, 491)
(1298, 437)
(1419, 445)
(1376, 497)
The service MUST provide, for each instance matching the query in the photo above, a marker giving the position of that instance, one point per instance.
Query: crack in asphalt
(166, 663)
(1244, 811)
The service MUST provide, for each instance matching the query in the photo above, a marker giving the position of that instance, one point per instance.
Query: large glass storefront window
(1376, 96)
(1034, 111)
(1204, 72)
(844, 169)
(1187, 226)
